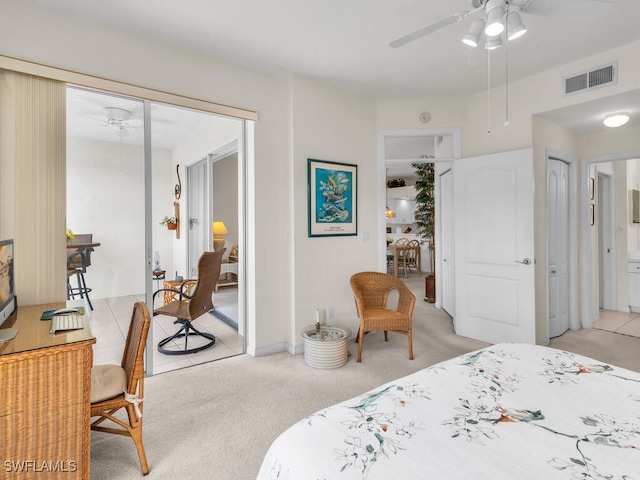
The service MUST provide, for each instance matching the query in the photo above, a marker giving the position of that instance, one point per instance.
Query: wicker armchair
(114, 387)
(371, 291)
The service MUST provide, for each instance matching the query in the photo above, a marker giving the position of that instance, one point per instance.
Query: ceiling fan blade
(576, 10)
(456, 17)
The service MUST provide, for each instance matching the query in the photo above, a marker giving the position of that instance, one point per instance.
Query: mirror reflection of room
(106, 199)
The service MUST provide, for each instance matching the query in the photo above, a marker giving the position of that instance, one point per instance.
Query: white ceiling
(345, 42)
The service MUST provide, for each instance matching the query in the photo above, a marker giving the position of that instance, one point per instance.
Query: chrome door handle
(526, 261)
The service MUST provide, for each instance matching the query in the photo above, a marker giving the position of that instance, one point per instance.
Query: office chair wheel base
(184, 351)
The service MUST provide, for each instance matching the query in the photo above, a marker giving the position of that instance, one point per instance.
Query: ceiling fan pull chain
(506, 71)
(488, 91)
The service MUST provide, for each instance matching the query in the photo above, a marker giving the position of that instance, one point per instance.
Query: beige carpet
(216, 420)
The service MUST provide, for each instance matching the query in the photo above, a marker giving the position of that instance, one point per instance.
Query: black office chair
(187, 308)
(78, 259)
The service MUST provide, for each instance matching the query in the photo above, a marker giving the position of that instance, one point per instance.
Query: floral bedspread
(509, 411)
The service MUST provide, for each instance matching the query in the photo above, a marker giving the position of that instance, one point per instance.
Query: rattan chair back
(131, 400)
(209, 267)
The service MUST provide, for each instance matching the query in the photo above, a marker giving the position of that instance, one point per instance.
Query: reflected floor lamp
(219, 229)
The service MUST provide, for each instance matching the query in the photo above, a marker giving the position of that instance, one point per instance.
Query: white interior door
(558, 246)
(447, 245)
(493, 230)
(606, 240)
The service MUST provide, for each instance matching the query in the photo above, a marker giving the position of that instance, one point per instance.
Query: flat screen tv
(7, 283)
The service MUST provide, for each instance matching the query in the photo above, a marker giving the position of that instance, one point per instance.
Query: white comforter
(509, 411)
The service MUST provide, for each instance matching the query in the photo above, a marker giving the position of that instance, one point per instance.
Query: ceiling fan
(118, 119)
(500, 15)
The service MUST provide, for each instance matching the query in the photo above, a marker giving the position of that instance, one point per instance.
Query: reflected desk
(73, 248)
(45, 399)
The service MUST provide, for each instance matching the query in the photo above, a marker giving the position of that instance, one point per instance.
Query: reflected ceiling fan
(498, 16)
(118, 119)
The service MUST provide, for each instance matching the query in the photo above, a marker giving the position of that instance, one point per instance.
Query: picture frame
(332, 191)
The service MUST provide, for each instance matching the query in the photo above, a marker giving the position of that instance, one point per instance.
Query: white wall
(105, 197)
(538, 94)
(337, 126)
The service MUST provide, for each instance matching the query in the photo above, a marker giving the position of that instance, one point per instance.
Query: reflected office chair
(187, 308)
(78, 259)
(115, 387)
(371, 291)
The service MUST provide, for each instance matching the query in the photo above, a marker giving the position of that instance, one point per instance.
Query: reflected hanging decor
(177, 192)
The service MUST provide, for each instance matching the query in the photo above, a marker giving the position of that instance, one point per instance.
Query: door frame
(589, 310)
(455, 133)
(574, 320)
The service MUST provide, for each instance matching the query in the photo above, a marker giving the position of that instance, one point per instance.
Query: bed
(509, 411)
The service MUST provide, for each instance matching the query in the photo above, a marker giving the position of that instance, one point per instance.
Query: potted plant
(170, 222)
(425, 220)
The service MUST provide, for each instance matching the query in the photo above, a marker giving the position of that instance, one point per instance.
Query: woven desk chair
(371, 291)
(187, 308)
(114, 387)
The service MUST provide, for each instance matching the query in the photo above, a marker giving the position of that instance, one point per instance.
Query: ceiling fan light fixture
(616, 119)
(472, 38)
(117, 114)
(495, 17)
(493, 43)
(515, 27)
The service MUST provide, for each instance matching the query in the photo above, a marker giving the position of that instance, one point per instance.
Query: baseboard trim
(276, 348)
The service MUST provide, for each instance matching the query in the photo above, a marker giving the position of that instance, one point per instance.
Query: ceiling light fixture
(515, 27)
(472, 38)
(495, 17)
(616, 119)
(493, 43)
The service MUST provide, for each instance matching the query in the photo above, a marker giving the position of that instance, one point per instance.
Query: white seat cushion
(107, 381)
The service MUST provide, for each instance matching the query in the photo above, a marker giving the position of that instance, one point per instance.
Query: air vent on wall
(599, 77)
